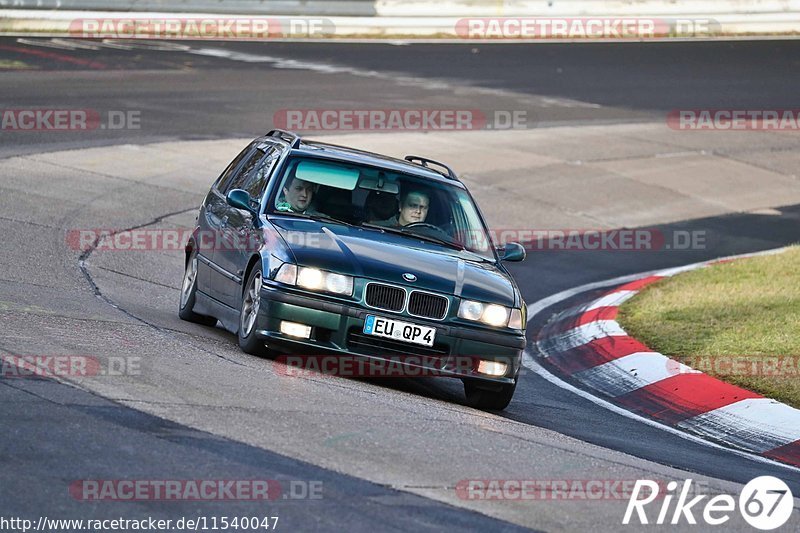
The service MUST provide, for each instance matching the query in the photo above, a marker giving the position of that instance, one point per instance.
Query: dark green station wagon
(303, 247)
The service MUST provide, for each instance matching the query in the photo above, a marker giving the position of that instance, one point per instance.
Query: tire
(489, 400)
(188, 294)
(248, 315)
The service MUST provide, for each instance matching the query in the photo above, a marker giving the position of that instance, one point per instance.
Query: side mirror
(241, 199)
(513, 251)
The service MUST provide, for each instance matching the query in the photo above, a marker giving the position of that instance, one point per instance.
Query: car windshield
(383, 200)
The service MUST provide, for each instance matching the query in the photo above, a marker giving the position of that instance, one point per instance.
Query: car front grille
(358, 342)
(427, 305)
(385, 297)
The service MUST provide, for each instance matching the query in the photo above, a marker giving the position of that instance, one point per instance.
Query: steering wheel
(422, 225)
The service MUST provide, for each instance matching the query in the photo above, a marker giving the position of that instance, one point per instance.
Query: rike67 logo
(765, 503)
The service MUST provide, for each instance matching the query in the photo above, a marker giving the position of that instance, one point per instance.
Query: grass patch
(738, 321)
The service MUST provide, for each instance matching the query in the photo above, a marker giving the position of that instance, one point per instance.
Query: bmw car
(303, 247)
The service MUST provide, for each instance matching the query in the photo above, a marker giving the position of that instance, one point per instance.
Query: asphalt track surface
(55, 433)
(199, 95)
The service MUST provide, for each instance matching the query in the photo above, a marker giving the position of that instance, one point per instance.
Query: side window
(256, 181)
(474, 237)
(239, 180)
(460, 224)
(224, 180)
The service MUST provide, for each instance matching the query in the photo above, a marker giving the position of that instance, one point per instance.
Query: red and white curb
(587, 344)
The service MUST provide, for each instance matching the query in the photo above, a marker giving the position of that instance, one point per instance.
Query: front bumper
(337, 329)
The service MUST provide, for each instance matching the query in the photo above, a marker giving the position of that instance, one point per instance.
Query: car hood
(374, 255)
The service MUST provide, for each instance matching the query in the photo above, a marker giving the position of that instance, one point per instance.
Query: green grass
(739, 321)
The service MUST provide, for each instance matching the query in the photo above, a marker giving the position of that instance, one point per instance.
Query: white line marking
(395, 77)
(62, 44)
(583, 334)
(46, 44)
(630, 373)
(614, 299)
(78, 44)
(759, 424)
(537, 307)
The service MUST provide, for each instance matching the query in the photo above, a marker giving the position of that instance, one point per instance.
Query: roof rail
(290, 137)
(424, 162)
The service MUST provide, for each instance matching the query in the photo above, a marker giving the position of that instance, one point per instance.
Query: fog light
(293, 329)
(492, 368)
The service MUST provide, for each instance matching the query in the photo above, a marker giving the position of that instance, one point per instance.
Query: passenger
(297, 196)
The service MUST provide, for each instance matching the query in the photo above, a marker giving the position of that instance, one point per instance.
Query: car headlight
(311, 278)
(315, 279)
(490, 314)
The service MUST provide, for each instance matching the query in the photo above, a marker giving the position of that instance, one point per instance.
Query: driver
(298, 195)
(414, 206)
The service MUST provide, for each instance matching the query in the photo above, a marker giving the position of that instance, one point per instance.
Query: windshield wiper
(326, 218)
(319, 217)
(390, 229)
(449, 244)
(401, 231)
(437, 240)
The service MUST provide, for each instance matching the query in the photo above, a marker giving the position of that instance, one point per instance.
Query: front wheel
(248, 314)
(188, 294)
(488, 399)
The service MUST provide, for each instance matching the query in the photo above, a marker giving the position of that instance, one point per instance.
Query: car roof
(354, 155)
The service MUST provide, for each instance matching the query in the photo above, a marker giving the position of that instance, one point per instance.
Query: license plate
(401, 331)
